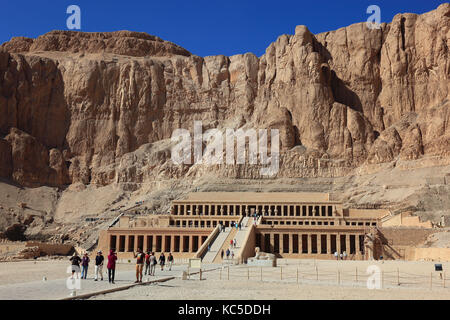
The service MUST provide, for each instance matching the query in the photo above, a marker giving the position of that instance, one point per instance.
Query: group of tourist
(149, 259)
(229, 253)
(341, 256)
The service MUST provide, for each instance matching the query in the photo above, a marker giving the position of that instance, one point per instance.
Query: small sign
(195, 263)
(438, 267)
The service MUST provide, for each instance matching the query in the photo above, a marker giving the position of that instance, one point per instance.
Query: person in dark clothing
(170, 259)
(221, 254)
(112, 257)
(147, 263)
(162, 261)
(85, 265)
(99, 265)
(76, 260)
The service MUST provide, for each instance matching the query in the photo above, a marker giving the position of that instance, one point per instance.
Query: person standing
(221, 254)
(162, 260)
(75, 264)
(153, 263)
(112, 257)
(147, 263)
(232, 255)
(99, 265)
(231, 243)
(336, 255)
(228, 253)
(140, 259)
(85, 266)
(170, 259)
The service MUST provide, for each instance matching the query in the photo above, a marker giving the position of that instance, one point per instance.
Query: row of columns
(150, 242)
(199, 223)
(338, 245)
(265, 210)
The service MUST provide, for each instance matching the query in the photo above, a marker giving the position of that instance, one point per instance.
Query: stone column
(127, 242)
(281, 242)
(357, 244)
(347, 244)
(145, 245)
(291, 243)
(329, 243)
(272, 243)
(172, 243)
(319, 243)
(309, 243)
(117, 243)
(263, 242)
(181, 243)
(191, 243)
(300, 243)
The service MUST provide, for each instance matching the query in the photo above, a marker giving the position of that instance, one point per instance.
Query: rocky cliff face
(100, 108)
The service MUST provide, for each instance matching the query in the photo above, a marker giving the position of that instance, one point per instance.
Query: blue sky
(202, 27)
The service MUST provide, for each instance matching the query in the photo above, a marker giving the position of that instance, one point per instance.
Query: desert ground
(317, 279)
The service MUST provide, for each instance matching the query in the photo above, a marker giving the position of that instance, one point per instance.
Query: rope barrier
(294, 273)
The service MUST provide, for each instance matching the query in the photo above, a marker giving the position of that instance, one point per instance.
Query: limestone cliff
(98, 108)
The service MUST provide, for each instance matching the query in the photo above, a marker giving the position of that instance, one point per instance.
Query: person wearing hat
(99, 265)
(75, 260)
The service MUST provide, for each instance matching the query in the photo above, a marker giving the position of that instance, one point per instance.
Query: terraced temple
(290, 225)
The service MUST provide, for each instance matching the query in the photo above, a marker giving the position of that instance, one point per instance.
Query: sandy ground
(234, 290)
(317, 279)
(29, 271)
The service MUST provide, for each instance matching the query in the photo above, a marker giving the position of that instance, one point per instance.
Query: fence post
(220, 274)
(431, 280)
(297, 276)
(248, 273)
(339, 277)
(398, 277)
(261, 274)
(228, 272)
(356, 274)
(317, 273)
(200, 274)
(444, 280)
(281, 273)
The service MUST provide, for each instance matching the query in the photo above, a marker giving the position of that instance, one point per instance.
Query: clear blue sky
(204, 27)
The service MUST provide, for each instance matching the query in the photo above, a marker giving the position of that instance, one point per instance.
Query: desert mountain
(89, 116)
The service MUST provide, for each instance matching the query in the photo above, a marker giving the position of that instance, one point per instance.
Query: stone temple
(289, 225)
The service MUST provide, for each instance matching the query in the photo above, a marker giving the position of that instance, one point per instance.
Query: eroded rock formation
(99, 107)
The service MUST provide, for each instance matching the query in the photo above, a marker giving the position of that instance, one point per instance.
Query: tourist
(228, 253)
(341, 255)
(345, 255)
(170, 259)
(209, 247)
(162, 261)
(85, 266)
(232, 255)
(221, 254)
(75, 264)
(111, 266)
(234, 242)
(231, 243)
(336, 255)
(99, 265)
(153, 263)
(140, 259)
(147, 263)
